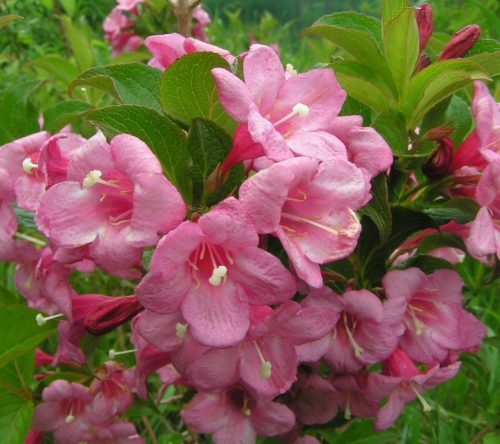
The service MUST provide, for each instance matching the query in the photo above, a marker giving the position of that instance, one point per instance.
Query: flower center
(212, 262)
(300, 109)
(94, 177)
(419, 325)
(348, 322)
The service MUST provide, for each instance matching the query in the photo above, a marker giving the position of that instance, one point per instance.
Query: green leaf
(488, 61)
(350, 32)
(130, 84)
(188, 90)
(461, 210)
(460, 116)
(208, 146)
(18, 116)
(440, 240)
(69, 6)
(20, 332)
(378, 209)
(428, 264)
(391, 125)
(6, 19)
(360, 83)
(79, 43)
(162, 136)
(392, 8)
(484, 45)
(15, 418)
(435, 83)
(59, 68)
(17, 375)
(64, 113)
(352, 106)
(401, 46)
(359, 432)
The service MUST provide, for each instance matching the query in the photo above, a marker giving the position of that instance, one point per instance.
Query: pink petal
(160, 329)
(263, 76)
(206, 413)
(166, 48)
(319, 145)
(388, 414)
(217, 316)
(216, 369)
(262, 276)
(133, 157)
(194, 45)
(487, 116)
(233, 94)
(481, 241)
(271, 418)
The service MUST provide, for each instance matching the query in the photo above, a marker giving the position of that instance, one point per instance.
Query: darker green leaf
(461, 210)
(378, 208)
(64, 113)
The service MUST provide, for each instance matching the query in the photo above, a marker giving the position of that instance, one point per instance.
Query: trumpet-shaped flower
(116, 200)
(310, 207)
(212, 270)
(434, 321)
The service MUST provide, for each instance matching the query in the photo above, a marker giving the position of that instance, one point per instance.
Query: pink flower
(212, 270)
(430, 309)
(484, 236)
(286, 116)
(313, 400)
(403, 383)
(167, 48)
(202, 21)
(20, 177)
(361, 336)
(310, 207)
(115, 23)
(266, 361)
(116, 200)
(351, 396)
(234, 416)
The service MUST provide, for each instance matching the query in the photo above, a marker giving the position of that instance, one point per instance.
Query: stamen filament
(94, 177)
(41, 319)
(425, 405)
(112, 354)
(358, 351)
(266, 367)
(347, 411)
(300, 109)
(31, 239)
(311, 222)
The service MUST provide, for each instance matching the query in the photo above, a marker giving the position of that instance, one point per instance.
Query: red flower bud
(42, 358)
(112, 313)
(425, 23)
(439, 163)
(461, 42)
(400, 364)
(423, 61)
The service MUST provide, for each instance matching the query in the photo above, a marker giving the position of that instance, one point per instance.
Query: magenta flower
(484, 236)
(212, 270)
(286, 116)
(310, 207)
(167, 48)
(361, 335)
(266, 361)
(234, 416)
(434, 321)
(116, 200)
(403, 382)
(351, 396)
(20, 177)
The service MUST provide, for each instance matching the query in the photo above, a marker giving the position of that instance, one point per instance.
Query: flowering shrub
(282, 262)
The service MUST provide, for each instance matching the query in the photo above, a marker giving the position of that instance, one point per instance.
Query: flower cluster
(234, 303)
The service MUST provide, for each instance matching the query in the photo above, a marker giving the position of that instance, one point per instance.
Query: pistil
(94, 177)
(28, 165)
(112, 354)
(266, 367)
(425, 405)
(41, 319)
(300, 109)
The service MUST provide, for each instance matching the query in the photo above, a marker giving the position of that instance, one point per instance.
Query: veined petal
(319, 145)
(133, 157)
(233, 94)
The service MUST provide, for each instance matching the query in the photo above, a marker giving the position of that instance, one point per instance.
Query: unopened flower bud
(438, 164)
(400, 364)
(110, 314)
(461, 42)
(425, 23)
(423, 61)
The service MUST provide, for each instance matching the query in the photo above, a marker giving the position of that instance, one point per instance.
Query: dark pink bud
(34, 437)
(461, 42)
(423, 61)
(400, 364)
(42, 358)
(111, 313)
(438, 164)
(425, 23)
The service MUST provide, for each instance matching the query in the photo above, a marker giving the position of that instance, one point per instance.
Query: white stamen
(217, 275)
(247, 412)
(266, 368)
(28, 165)
(180, 330)
(112, 354)
(41, 319)
(69, 419)
(94, 177)
(425, 405)
(301, 109)
(290, 70)
(347, 411)
(358, 351)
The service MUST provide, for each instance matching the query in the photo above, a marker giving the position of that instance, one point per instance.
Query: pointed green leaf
(20, 332)
(188, 90)
(59, 68)
(159, 133)
(15, 418)
(378, 209)
(130, 84)
(488, 61)
(64, 113)
(79, 43)
(435, 83)
(391, 125)
(6, 19)
(461, 210)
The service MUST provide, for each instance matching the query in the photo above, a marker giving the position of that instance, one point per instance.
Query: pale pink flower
(310, 207)
(115, 23)
(285, 116)
(429, 307)
(202, 20)
(403, 382)
(212, 270)
(116, 200)
(361, 336)
(167, 48)
(235, 417)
